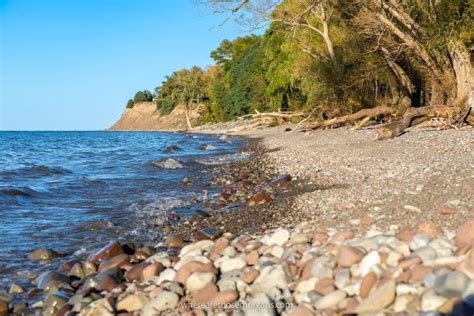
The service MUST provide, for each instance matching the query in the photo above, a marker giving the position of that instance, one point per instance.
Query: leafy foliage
(323, 56)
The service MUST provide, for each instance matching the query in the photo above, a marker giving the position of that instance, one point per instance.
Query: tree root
(414, 116)
(364, 115)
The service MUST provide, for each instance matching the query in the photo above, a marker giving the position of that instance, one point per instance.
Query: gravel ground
(420, 175)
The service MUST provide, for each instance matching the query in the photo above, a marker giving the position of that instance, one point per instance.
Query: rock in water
(167, 163)
(379, 299)
(207, 147)
(172, 148)
(43, 254)
(112, 249)
(451, 284)
(49, 279)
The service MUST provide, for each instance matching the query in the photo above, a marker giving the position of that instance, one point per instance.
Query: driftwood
(285, 115)
(364, 115)
(414, 116)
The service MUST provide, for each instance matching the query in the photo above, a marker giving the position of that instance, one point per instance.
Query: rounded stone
(278, 238)
(347, 256)
(370, 260)
(132, 303)
(382, 297)
(198, 280)
(330, 300)
(465, 233)
(232, 264)
(451, 284)
(174, 241)
(163, 301)
(368, 282)
(43, 254)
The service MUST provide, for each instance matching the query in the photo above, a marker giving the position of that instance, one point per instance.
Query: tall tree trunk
(464, 75)
(405, 86)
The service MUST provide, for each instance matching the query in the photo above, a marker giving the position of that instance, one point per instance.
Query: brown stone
(320, 237)
(419, 272)
(404, 277)
(113, 248)
(367, 220)
(410, 262)
(151, 270)
(135, 273)
(174, 241)
(465, 233)
(243, 242)
(278, 181)
(347, 256)
(428, 228)
(193, 266)
(405, 234)
(224, 297)
(63, 310)
(218, 205)
(467, 265)
(127, 266)
(306, 266)
(249, 275)
(343, 235)
(108, 283)
(220, 245)
(207, 233)
(66, 266)
(251, 258)
(368, 282)
(204, 295)
(301, 311)
(113, 262)
(3, 308)
(383, 257)
(462, 250)
(324, 286)
(139, 256)
(259, 198)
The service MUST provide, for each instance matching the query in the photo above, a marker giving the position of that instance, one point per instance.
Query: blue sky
(73, 64)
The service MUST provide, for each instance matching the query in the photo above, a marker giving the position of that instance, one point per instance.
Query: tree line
(332, 58)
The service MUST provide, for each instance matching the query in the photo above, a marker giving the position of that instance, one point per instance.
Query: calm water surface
(75, 190)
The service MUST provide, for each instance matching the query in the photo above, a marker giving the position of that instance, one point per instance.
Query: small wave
(217, 160)
(36, 171)
(96, 225)
(18, 192)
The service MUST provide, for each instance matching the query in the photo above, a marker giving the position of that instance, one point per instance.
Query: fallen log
(365, 114)
(394, 129)
(272, 114)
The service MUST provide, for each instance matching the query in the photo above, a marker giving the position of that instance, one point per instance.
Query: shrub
(165, 105)
(140, 97)
(130, 104)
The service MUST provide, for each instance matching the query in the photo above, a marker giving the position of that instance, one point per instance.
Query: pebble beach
(329, 223)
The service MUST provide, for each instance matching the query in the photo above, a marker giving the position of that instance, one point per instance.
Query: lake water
(76, 190)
